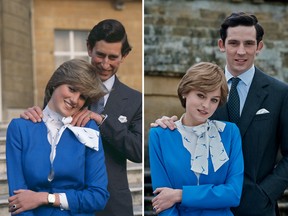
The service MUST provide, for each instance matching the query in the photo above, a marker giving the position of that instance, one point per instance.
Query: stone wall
(16, 55)
(180, 33)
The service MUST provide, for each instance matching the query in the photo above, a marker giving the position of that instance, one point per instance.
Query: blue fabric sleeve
(159, 174)
(15, 174)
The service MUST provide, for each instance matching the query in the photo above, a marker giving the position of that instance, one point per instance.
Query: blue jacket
(216, 192)
(80, 172)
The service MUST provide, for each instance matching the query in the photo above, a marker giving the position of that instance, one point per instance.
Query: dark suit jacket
(262, 135)
(121, 141)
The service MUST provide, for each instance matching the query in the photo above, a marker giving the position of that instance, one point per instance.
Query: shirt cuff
(104, 117)
(63, 201)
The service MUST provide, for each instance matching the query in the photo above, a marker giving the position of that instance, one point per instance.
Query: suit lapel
(114, 98)
(255, 97)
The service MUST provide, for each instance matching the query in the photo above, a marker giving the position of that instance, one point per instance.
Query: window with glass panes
(70, 44)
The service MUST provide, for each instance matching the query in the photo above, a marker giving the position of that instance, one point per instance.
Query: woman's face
(66, 100)
(200, 106)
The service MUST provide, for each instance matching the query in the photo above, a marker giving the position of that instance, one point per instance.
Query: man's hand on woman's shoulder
(33, 113)
(165, 122)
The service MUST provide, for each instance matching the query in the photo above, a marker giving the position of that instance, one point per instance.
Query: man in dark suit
(263, 121)
(120, 122)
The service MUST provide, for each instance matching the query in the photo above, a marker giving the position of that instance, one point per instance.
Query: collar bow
(89, 137)
(208, 144)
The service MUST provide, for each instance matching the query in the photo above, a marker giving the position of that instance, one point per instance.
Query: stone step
(3, 175)
(134, 171)
(3, 184)
(137, 210)
(136, 191)
(2, 145)
(283, 204)
(4, 205)
(148, 194)
(2, 163)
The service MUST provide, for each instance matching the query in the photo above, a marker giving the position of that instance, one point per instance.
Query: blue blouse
(216, 192)
(80, 172)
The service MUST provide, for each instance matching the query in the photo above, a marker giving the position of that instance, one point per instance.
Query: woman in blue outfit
(198, 168)
(53, 167)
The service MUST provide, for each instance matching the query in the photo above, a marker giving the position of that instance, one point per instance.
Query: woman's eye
(71, 89)
(200, 95)
(83, 97)
(215, 100)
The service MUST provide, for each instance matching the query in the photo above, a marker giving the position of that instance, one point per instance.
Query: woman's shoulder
(160, 130)
(23, 122)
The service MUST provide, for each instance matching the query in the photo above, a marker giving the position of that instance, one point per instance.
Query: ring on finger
(14, 206)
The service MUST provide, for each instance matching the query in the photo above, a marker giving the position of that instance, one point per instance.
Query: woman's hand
(25, 200)
(165, 198)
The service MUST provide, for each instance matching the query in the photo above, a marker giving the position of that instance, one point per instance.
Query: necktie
(234, 101)
(98, 106)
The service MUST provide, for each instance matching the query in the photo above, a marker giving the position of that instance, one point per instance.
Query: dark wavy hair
(241, 19)
(111, 31)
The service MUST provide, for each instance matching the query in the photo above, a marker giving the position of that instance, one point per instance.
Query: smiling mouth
(203, 112)
(70, 105)
(240, 60)
(104, 72)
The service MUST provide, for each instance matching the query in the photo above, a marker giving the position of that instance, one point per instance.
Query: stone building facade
(180, 33)
(16, 64)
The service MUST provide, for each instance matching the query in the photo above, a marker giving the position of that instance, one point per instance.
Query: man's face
(241, 48)
(106, 57)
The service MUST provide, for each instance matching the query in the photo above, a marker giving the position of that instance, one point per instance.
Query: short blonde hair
(205, 77)
(81, 75)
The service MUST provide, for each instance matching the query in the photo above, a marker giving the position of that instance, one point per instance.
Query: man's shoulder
(271, 80)
(128, 90)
